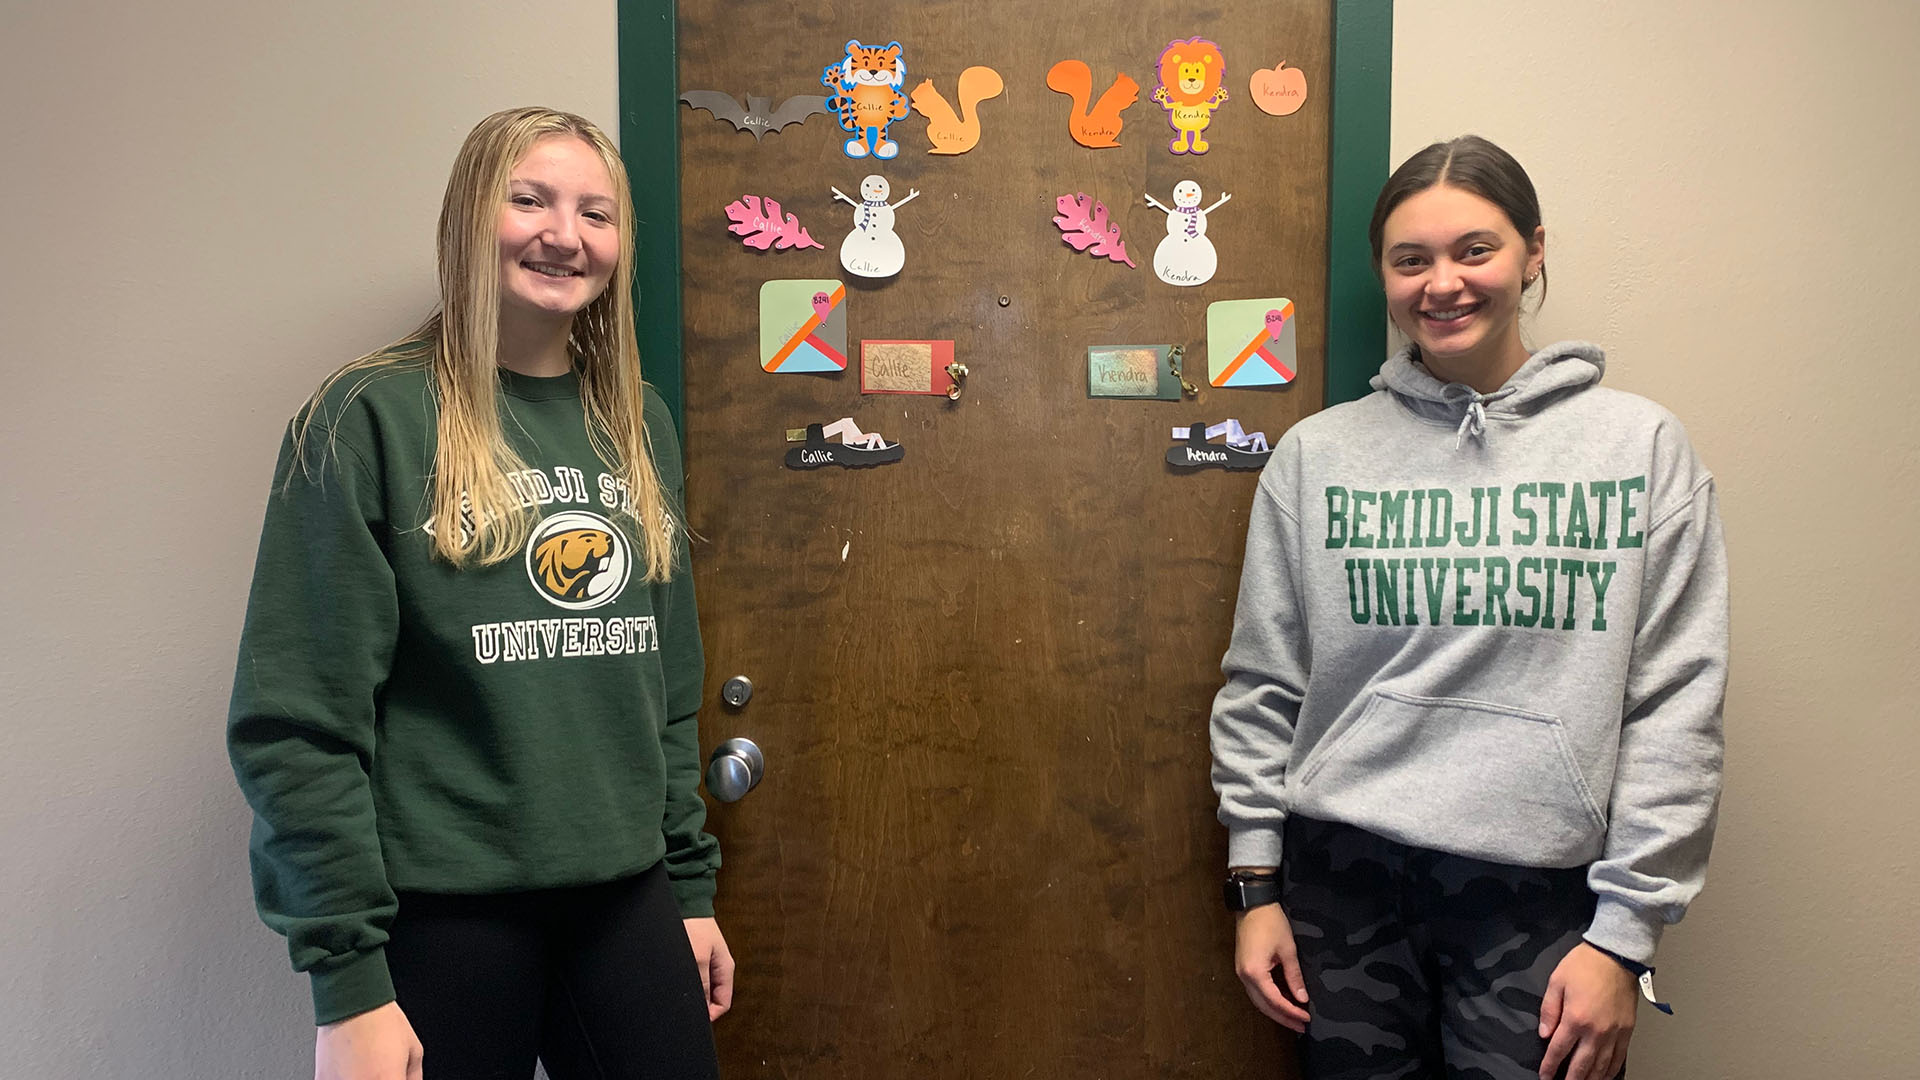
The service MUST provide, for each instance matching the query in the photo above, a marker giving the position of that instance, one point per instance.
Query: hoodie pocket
(1472, 777)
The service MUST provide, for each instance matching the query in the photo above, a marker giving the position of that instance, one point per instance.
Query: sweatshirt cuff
(694, 895)
(1625, 930)
(1253, 847)
(351, 986)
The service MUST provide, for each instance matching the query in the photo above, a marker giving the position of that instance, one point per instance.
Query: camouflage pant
(1422, 964)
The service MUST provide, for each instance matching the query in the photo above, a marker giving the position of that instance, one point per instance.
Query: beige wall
(206, 205)
(1731, 210)
(216, 202)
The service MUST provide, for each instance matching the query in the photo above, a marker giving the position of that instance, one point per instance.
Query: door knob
(735, 769)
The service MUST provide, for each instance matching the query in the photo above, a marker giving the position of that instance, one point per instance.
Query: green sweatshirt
(398, 724)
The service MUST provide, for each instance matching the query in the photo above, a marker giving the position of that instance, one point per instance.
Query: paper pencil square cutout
(1132, 371)
(803, 325)
(1250, 342)
(905, 367)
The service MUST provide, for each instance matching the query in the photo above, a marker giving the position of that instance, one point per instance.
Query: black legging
(597, 982)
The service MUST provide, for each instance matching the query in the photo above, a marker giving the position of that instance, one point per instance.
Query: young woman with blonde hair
(465, 710)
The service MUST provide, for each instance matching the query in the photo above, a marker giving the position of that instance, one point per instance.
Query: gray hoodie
(1494, 625)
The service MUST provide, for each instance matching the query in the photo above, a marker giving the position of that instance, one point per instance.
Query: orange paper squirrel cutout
(1099, 126)
(951, 132)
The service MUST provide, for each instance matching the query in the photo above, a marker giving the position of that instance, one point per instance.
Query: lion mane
(1195, 56)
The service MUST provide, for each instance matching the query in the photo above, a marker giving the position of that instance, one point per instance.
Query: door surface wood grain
(985, 844)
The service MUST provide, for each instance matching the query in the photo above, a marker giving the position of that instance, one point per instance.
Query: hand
(716, 965)
(1264, 942)
(1588, 1012)
(378, 1044)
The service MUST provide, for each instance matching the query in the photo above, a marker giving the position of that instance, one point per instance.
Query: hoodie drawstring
(1473, 422)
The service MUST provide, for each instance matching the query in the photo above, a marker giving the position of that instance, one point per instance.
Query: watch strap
(1244, 892)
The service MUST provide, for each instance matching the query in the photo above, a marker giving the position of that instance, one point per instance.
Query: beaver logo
(578, 560)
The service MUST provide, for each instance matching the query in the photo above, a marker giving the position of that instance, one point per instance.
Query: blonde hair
(475, 512)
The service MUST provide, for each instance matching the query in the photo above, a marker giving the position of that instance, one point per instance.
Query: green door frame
(1362, 93)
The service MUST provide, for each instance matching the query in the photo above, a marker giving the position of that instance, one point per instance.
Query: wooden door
(985, 844)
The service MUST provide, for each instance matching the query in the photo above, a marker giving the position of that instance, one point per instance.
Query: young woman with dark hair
(1468, 751)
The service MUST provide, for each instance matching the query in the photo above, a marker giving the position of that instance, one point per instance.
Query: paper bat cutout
(755, 117)
(1083, 223)
(759, 222)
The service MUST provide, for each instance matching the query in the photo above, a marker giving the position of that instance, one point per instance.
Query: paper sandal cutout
(856, 450)
(1240, 450)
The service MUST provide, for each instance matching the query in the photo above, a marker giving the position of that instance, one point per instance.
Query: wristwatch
(1248, 889)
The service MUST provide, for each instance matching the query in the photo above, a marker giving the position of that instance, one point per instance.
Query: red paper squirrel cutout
(1083, 223)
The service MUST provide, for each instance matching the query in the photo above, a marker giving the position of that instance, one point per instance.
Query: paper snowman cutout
(873, 249)
(1186, 256)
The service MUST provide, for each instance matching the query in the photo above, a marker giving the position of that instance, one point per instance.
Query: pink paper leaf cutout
(759, 223)
(1083, 223)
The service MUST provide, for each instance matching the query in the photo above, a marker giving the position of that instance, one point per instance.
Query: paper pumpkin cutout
(1097, 126)
(865, 95)
(803, 326)
(1278, 90)
(1251, 342)
(956, 132)
(754, 116)
(1083, 223)
(1186, 257)
(1239, 450)
(873, 249)
(759, 223)
(1190, 89)
(856, 450)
